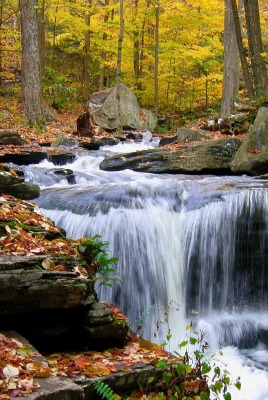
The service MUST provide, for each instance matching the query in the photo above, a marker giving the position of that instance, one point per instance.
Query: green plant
(95, 253)
(105, 391)
(194, 373)
(191, 375)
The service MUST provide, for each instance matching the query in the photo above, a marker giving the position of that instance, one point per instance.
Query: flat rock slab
(57, 157)
(213, 156)
(124, 380)
(25, 286)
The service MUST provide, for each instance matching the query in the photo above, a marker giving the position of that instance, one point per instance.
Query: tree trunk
(258, 66)
(86, 89)
(242, 52)
(231, 66)
(136, 50)
(41, 34)
(31, 63)
(118, 68)
(1, 50)
(156, 56)
(103, 53)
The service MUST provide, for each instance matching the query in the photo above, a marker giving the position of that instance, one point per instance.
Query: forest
(177, 56)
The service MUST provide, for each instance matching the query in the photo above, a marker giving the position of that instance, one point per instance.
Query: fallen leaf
(9, 371)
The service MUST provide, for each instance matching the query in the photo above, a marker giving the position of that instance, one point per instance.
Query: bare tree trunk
(156, 56)
(31, 63)
(242, 52)
(231, 67)
(136, 51)
(118, 68)
(258, 66)
(86, 89)
(41, 34)
(1, 50)
(54, 37)
(103, 53)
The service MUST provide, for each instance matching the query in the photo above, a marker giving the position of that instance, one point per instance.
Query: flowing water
(190, 248)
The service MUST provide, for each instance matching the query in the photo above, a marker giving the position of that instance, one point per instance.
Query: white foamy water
(183, 243)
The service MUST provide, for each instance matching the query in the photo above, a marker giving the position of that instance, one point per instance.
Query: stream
(191, 249)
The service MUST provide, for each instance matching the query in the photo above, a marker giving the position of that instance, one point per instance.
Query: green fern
(105, 391)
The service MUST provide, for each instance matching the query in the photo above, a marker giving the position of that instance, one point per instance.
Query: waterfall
(189, 248)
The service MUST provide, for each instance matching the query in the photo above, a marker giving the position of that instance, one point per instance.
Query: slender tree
(31, 63)
(231, 63)
(103, 52)
(156, 57)
(41, 33)
(242, 51)
(258, 66)
(136, 46)
(86, 90)
(118, 66)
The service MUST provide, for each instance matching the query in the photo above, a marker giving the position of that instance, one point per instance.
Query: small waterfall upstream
(189, 248)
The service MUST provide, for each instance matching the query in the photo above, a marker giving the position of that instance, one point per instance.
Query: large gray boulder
(213, 156)
(252, 157)
(102, 108)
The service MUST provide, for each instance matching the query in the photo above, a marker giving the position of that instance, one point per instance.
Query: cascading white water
(183, 243)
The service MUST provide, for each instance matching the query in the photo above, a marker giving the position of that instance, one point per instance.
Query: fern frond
(105, 391)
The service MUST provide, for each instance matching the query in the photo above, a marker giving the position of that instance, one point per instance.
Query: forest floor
(11, 118)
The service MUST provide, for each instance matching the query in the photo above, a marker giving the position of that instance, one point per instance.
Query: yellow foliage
(190, 45)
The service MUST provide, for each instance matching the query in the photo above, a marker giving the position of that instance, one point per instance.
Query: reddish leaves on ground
(18, 368)
(24, 231)
(19, 365)
(93, 364)
(254, 151)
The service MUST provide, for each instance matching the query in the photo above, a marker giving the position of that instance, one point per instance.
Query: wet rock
(97, 142)
(61, 158)
(15, 186)
(25, 158)
(134, 136)
(65, 173)
(212, 156)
